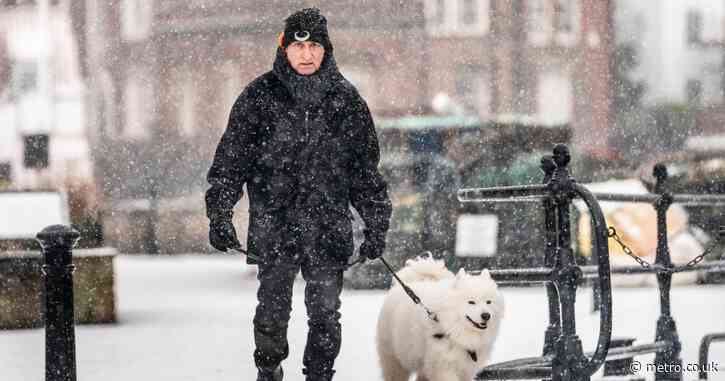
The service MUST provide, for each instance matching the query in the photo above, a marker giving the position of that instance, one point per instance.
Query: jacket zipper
(307, 129)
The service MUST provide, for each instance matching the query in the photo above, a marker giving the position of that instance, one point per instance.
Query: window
(231, 86)
(139, 107)
(472, 90)
(185, 99)
(566, 21)
(5, 173)
(563, 16)
(694, 26)
(23, 79)
(538, 22)
(108, 106)
(693, 88)
(468, 13)
(187, 110)
(439, 13)
(457, 17)
(466, 85)
(555, 21)
(136, 18)
(555, 98)
(712, 30)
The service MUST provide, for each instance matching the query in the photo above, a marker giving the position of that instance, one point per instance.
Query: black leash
(410, 292)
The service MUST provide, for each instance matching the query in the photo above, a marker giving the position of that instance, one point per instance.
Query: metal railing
(563, 358)
(562, 275)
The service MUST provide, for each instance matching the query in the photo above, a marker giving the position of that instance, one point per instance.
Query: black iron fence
(563, 357)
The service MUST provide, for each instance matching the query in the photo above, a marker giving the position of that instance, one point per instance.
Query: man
(302, 140)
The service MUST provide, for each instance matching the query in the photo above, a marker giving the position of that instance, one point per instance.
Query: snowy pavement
(189, 318)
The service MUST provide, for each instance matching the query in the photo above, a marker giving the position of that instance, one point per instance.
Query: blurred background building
(679, 48)
(155, 80)
(43, 141)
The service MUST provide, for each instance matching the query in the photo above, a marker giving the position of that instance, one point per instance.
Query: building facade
(41, 95)
(547, 60)
(679, 48)
(163, 75)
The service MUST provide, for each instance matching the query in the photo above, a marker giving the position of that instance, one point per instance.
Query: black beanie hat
(306, 25)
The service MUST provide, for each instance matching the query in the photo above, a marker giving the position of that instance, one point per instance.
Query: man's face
(305, 57)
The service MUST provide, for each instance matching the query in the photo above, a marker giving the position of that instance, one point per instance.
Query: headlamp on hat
(305, 25)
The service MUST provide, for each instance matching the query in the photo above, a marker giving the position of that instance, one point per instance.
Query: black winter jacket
(306, 149)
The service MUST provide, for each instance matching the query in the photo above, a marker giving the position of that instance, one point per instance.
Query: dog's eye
(488, 302)
(471, 302)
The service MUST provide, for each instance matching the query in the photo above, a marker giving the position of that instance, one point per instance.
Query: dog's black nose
(485, 316)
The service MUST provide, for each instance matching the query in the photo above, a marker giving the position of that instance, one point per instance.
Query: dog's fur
(408, 341)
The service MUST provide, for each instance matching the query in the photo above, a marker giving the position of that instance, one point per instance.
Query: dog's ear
(485, 274)
(460, 276)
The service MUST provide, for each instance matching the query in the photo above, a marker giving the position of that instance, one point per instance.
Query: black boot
(275, 374)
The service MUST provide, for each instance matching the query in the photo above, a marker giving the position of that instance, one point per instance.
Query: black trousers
(322, 300)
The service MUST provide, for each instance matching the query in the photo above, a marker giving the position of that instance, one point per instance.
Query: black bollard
(57, 242)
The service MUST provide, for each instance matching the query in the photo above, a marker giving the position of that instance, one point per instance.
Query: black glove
(222, 235)
(374, 245)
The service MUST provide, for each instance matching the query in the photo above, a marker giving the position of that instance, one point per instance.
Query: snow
(190, 318)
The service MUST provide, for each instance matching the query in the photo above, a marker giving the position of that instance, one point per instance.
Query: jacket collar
(307, 90)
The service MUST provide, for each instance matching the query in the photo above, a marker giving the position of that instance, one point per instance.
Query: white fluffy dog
(468, 310)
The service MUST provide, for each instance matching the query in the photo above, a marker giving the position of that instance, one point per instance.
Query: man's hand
(222, 235)
(374, 245)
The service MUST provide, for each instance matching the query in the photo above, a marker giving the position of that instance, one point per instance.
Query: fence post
(57, 242)
(668, 360)
(569, 361)
(554, 329)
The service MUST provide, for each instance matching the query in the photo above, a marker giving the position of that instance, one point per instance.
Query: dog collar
(472, 354)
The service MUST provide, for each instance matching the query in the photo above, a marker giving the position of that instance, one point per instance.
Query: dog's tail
(424, 269)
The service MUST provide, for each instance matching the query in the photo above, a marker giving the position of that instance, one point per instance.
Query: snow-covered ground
(189, 318)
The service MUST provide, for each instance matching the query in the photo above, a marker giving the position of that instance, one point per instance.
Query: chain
(707, 251)
(613, 234)
(626, 249)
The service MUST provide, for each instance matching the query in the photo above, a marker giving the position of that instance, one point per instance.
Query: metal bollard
(57, 242)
